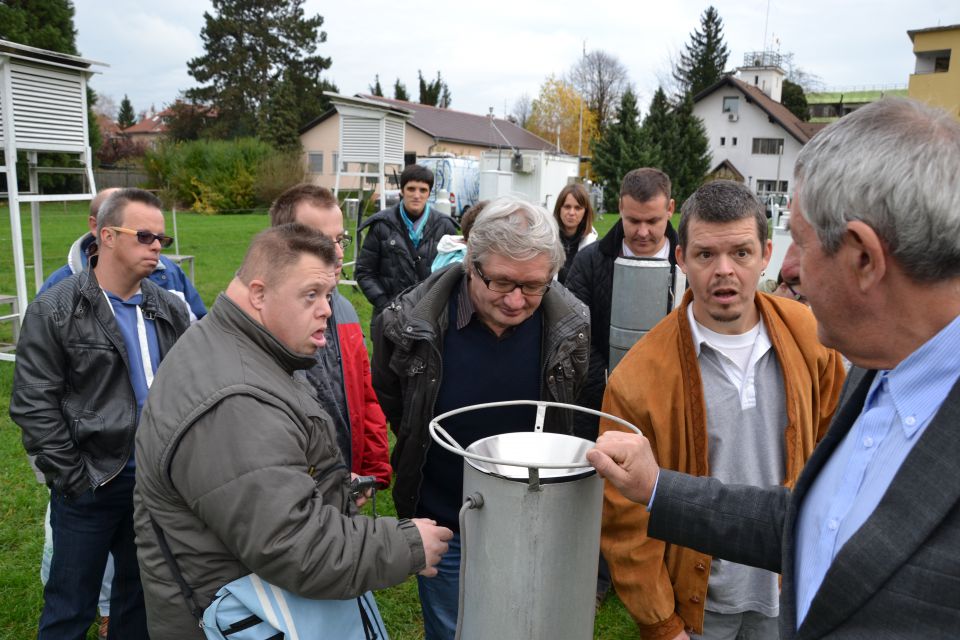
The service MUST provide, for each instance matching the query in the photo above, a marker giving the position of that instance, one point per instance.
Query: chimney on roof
(764, 70)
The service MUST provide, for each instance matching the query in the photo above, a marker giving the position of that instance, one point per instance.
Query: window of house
(767, 146)
(771, 186)
(933, 61)
(731, 104)
(723, 141)
(315, 162)
(336, 159)
(733, 141)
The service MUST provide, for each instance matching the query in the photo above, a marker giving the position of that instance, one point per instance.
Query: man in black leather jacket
(401, 241)
(86, 356)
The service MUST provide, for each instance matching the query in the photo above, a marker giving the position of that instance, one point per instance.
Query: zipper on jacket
(433, 403)
(129, 452)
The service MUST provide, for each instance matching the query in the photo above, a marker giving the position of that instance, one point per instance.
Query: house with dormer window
(753, 138)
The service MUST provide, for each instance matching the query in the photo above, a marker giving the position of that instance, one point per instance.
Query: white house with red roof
(753, 138)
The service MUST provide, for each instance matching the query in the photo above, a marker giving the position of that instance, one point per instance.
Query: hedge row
(220, 176)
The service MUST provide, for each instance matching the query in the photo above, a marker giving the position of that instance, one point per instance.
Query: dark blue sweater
(478, 367)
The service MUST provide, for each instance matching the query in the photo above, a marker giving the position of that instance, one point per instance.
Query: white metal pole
(176, 236)
(13, 193)
(34, 183)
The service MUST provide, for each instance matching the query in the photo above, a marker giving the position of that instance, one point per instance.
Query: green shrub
(276, 174)
(221, 176)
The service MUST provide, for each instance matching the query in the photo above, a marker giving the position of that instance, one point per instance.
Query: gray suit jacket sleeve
(739, 523)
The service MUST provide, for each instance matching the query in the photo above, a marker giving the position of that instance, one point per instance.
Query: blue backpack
(250, 608)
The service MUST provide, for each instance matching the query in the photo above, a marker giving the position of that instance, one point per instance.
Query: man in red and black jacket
(341, 376)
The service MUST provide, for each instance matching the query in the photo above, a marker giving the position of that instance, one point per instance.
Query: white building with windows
(753, 138)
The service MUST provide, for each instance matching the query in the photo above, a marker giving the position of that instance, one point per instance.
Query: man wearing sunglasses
(495, 328)
(341, 377)
(167, 273)
(86, 357)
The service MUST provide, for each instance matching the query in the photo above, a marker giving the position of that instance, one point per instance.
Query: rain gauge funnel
(530, 532)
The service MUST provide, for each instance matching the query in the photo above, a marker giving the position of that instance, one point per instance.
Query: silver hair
(515, 229)
(112, 209)
(894, 165)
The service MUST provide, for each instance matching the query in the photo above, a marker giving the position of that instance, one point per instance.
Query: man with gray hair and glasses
(495, 328)
(867, 539)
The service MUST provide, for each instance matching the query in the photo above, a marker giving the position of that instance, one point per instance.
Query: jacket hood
(77, 255)
(449, 244)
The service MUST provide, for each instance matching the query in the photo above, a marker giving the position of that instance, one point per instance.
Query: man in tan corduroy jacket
(733, 384)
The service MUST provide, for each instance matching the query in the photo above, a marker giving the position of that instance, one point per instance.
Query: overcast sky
(491, 52)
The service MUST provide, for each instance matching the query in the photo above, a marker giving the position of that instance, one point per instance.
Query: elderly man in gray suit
(868, 541)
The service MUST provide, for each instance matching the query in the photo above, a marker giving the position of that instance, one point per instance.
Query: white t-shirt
(663, 253)
(740, 354)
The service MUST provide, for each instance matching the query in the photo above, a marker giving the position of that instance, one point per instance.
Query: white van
(458, 177)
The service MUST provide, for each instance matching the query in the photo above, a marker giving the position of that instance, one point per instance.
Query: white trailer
(537, 176)
(457, 178)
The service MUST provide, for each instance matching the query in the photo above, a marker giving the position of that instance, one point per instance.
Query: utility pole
(580, 131)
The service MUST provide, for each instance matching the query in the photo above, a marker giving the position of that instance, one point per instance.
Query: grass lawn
(218, 244)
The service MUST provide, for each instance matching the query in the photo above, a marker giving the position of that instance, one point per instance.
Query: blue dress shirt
(900, 404)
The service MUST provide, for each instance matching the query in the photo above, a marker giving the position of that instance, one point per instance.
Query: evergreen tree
(687, 159)
(705, 57)
(671, 139)
(279, 121)
(400, 91)
(126, 117)
(620, 149)
(250, 48)
(375, 88)
(659, 131)
(46, 24)
(94, 138)
(793, 98)
(434, 93)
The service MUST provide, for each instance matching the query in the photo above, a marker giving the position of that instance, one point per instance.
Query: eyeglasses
(146, 237)
(799, 297)
(508, 286)
(344, 241)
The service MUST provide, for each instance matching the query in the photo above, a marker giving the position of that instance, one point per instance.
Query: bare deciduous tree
(809, 82)
(601, 78)
(105, 106)
(521, 110)
(665, 76)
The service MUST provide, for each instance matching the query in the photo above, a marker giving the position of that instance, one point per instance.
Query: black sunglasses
(146, 237)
